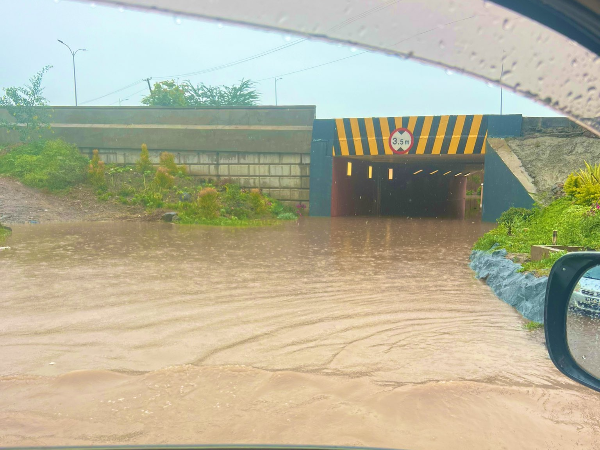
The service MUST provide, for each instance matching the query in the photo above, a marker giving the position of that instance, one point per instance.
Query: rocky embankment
(525, 292)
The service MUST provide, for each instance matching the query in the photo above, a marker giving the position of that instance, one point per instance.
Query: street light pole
(73, 53)
(276, 89)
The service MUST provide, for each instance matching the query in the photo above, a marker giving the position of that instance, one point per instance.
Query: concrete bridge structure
(396, 166)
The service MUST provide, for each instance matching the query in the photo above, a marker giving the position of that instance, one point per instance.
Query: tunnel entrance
(423, 186)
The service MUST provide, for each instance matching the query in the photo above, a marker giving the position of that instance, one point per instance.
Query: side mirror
(572, 317)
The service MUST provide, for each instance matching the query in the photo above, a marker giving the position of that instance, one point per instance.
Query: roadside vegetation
(26, 105)
(574, 214)
(53, 165)
(172, 93)
(56, 166)
(168, 186)
(4, 233)
(532, 326)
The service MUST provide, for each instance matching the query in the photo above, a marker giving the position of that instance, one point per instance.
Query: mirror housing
(564, 275)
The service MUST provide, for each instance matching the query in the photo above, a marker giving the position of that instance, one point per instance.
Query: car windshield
(593, 273)
(307, 223)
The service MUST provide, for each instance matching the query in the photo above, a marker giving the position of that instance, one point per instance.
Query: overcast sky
(124, 46)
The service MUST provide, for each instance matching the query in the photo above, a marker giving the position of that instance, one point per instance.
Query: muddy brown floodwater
(346, 331)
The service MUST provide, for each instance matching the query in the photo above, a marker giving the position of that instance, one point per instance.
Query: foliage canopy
(170, 93)
(26, 104)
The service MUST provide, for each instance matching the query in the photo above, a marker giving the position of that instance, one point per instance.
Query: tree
(26, 104)
(242, 94)
(166, 93)
(169, 93)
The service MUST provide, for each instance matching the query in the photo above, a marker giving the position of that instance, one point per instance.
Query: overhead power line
(129, 95)
(113, 92)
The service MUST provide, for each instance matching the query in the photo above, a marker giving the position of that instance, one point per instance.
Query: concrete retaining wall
(265, 147)
(502, 189)
(525, 292)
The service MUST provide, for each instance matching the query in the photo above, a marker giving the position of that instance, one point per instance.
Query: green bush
(149, 199)
(277, 208)
(584, 185)
(167, 160)
(163, 179)
(258, 202)
(513, 217)
(144, 164)
(52, 165)
(208, 201)
(96, 170)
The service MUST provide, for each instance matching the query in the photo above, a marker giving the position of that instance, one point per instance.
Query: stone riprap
(525, 292)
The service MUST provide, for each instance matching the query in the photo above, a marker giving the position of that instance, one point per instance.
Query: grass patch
(54, 165)
(532, 326)
(575, 217)
(543, 266)
(230, 222)
(576, 226)
(4, 233)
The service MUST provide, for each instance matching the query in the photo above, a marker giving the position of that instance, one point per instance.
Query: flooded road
(346, 331)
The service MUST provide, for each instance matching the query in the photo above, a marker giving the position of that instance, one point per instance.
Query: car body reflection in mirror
(583, 322)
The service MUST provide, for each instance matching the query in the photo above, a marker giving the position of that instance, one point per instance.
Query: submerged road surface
(347, 331)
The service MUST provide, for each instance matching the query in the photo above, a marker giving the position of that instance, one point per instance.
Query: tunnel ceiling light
(447, 172)
(418, 171)
(370, 171)
(435, 171)
(349, 169)
(467, 174)
(390, 174)
(459, 173)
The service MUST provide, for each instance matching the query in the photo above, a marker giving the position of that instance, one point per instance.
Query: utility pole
(147, 80)
(73, 53)
(276, 89)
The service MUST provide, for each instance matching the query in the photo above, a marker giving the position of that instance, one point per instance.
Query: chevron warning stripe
(444, 135)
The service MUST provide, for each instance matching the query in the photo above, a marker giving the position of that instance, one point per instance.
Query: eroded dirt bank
(23, 204)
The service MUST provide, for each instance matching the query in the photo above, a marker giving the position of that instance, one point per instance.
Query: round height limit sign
(401, 141)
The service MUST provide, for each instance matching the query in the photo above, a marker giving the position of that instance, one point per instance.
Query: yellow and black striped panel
(445, 135)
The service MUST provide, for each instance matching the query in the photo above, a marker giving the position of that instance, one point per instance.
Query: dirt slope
(22, 204)
(550, 159)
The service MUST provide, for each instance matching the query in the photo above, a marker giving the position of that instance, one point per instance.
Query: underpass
(416, 166)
